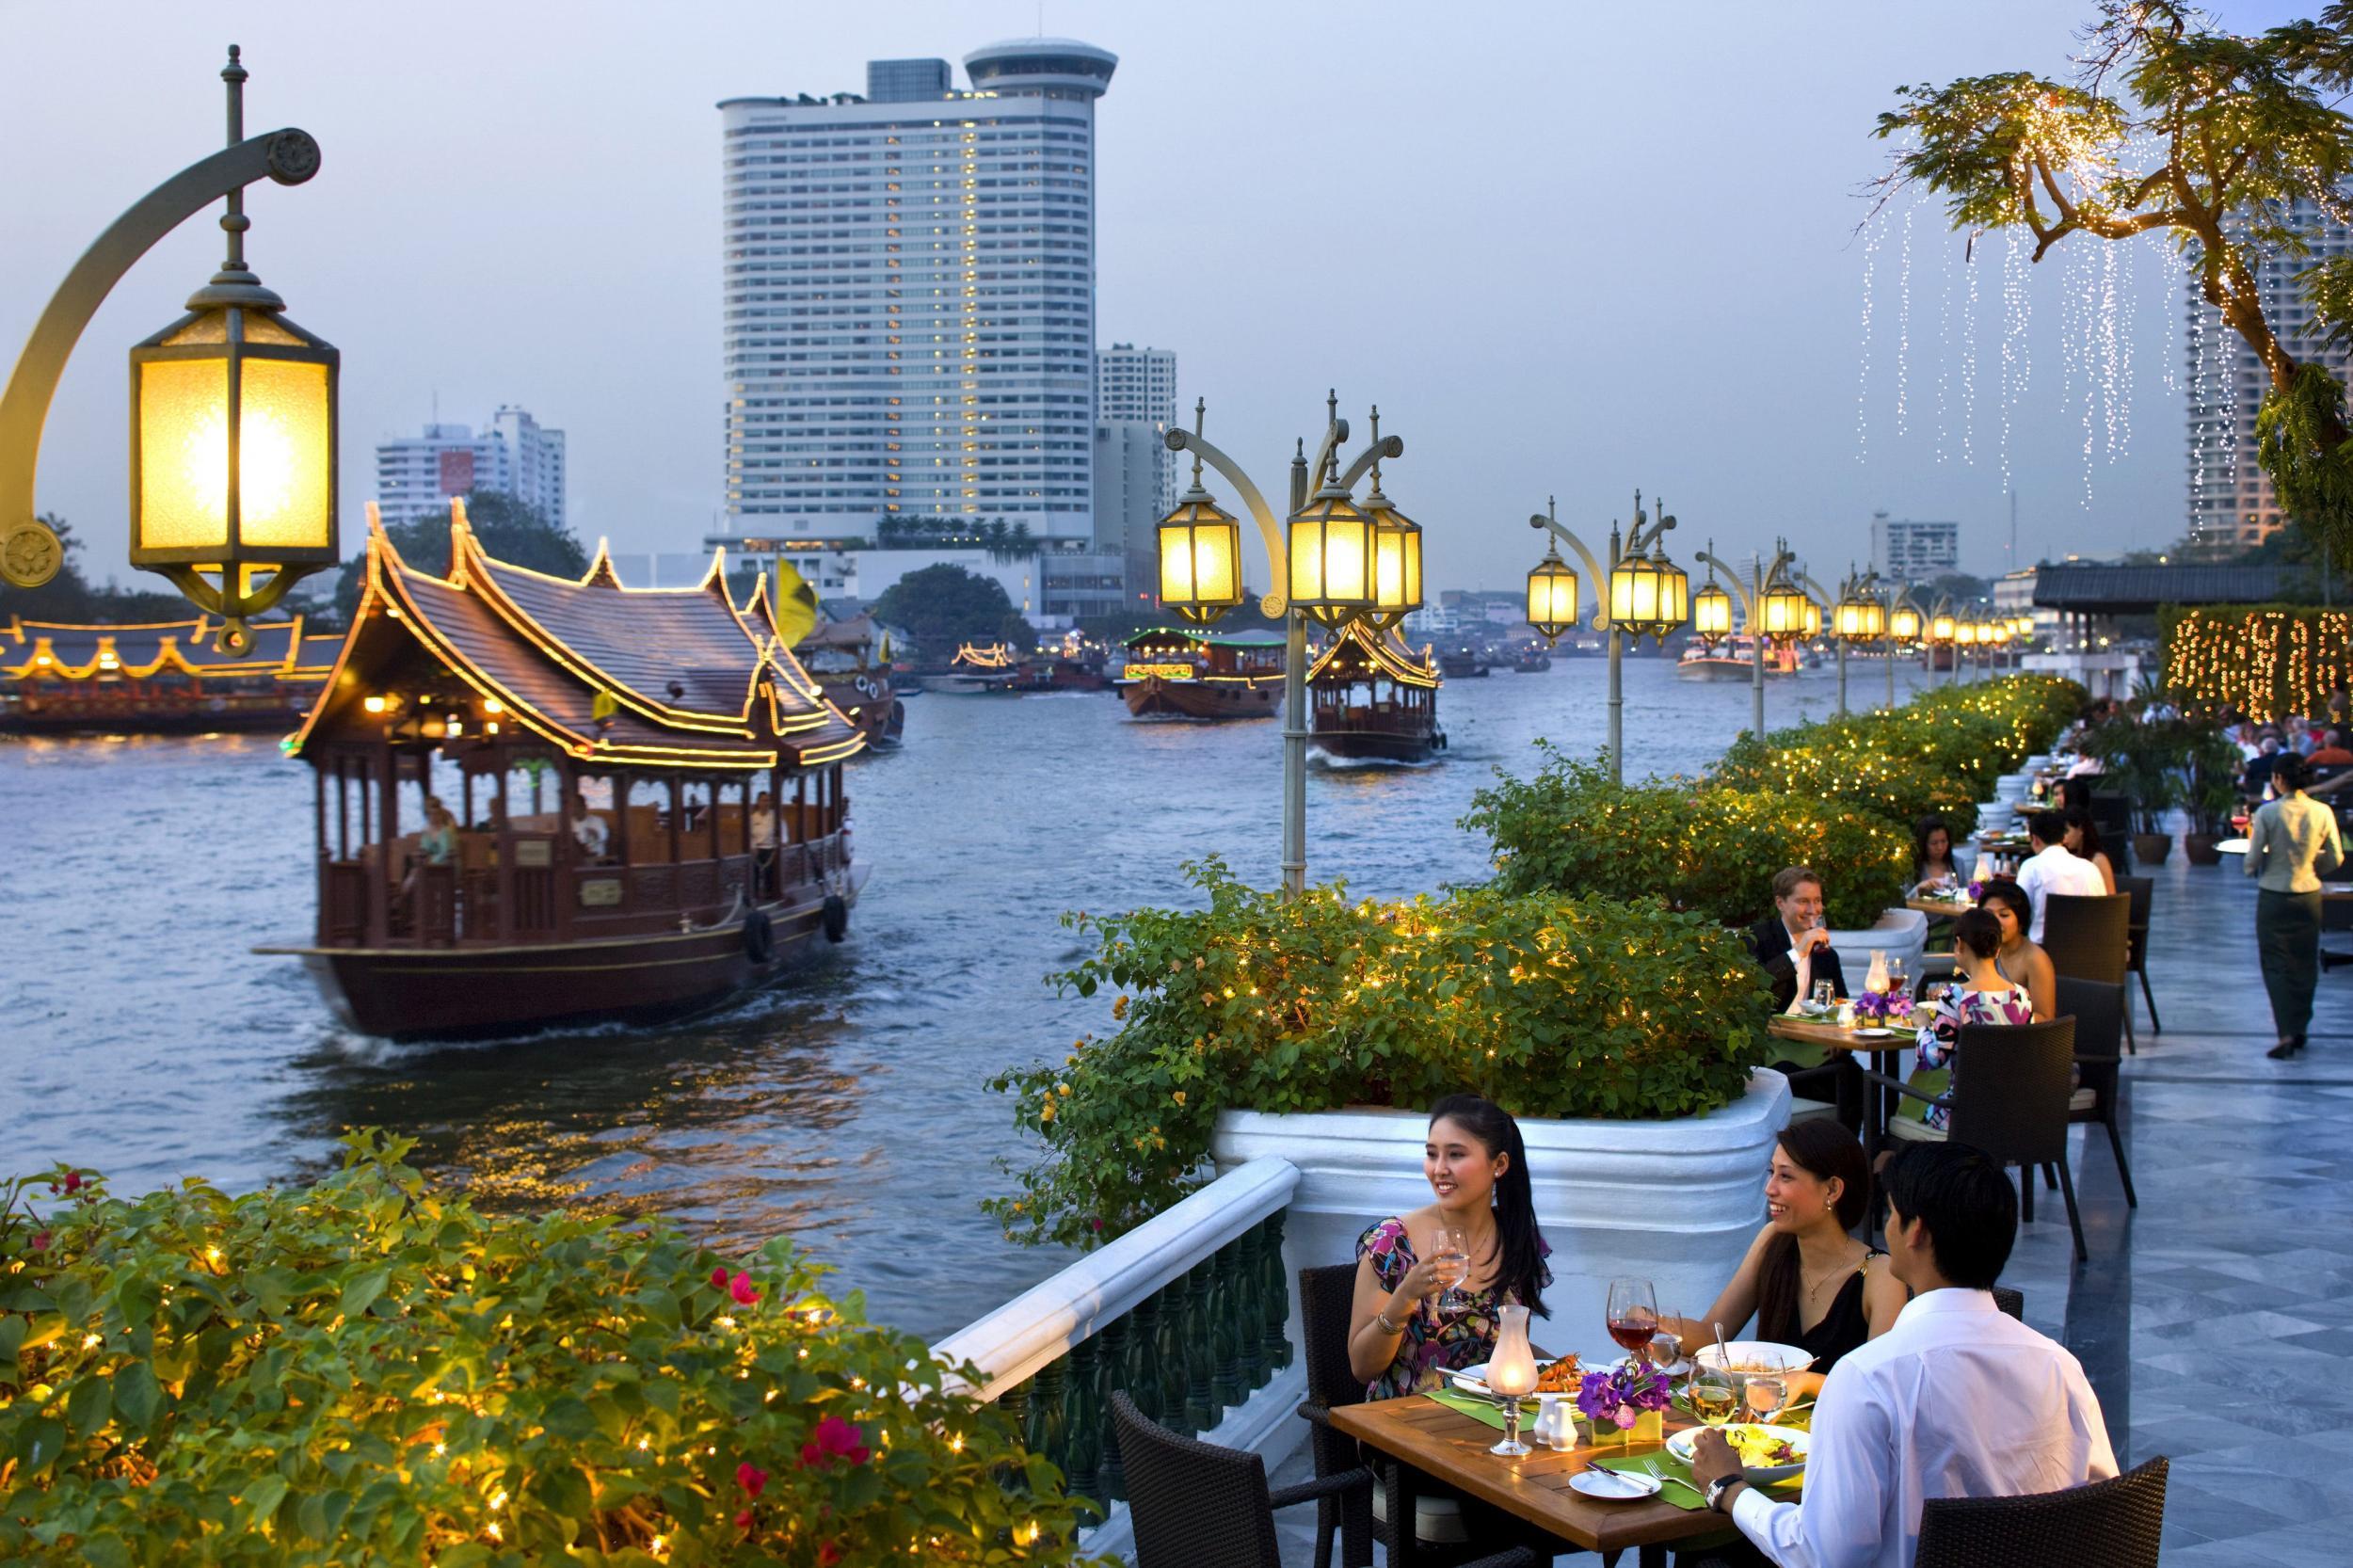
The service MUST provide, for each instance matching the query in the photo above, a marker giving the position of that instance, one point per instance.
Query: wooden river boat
(1173, 673)
(157, 678)
(1370, 696)
(644, 788)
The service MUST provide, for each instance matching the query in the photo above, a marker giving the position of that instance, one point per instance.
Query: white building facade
(2230, 500)
(416, 476)
(909, 297)
(1905, 549)
(1138, 386)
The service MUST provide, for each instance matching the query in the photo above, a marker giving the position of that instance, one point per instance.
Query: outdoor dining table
(1938, 906)
(1887, 1052)
(1426, 1438)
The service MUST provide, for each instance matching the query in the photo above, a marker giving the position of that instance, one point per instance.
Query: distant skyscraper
(1906, 551)
(909, 287)
(1138, 386)
(2231, 501)
(416, 476)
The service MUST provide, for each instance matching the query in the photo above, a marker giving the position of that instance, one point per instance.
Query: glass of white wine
(1714, 1396)
(1450, 1254)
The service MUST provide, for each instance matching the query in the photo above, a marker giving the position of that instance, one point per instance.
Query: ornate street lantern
(1331, 558)
(1944, 629)
(1396, 550)
(1861, 618)
(1552, 595)
(1711, 612)
(1964, 633)
(1904, 624)
(1649, 595)
(1200, 558)
(1782, 610)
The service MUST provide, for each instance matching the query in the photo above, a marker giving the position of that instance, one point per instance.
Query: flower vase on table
(1626, 1404)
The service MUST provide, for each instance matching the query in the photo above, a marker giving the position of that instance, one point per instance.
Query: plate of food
(1767, 1453)
(1555, 1379)
(1761, 1356)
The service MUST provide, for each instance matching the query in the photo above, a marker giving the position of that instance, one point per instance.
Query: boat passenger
(1806, 1280)
(2021, 961)
(589, 832)
(1402, 1331)
(436, 845)
(764, 846)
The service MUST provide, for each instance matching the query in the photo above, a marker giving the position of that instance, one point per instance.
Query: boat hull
(867, 701)
(473, 993)
(1375, 743)
(1153, 697)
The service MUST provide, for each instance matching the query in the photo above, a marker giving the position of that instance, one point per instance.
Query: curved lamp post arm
(1387, 447)
(1277, 599)
(1584, 558)
(288, 156)
(1741, 589)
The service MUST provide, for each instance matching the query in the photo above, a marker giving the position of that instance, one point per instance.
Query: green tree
(509, 529)
(2172, 125)
(944, 605)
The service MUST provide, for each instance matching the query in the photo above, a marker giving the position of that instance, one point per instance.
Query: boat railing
(1188, 1314)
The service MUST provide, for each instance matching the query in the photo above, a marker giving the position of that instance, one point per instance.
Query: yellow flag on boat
(796, 605)
(602, 707)
(882, 652)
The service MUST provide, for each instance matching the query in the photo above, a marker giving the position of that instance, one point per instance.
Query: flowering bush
(1711, 851)
(366, 1371)
(1547, 1004)
(1622, 1394)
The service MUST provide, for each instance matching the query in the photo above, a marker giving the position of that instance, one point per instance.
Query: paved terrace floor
(2215, 1320)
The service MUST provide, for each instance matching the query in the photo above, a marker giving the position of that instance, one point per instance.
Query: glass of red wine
(1633, 1313)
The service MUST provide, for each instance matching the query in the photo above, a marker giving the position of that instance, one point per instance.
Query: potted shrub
(2212, 796)
(2147, 760)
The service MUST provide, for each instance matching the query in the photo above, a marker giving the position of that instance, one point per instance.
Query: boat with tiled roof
(1370, 695)
(1176, 673)
(542, 799)
(156, 678)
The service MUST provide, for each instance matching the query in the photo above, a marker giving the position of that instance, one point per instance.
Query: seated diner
(1806, 1280)
(1793, 945)
(2083, 842)
(1979, 995)
(1933, 866)
(2021, 961)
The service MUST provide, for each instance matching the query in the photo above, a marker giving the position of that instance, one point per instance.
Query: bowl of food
(1753, 1357)
(1767, 1453)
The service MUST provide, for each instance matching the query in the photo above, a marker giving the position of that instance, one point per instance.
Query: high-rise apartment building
(909, 287)
(2231, 500)
(1138, 386)
(1904, 550)
(416, 476)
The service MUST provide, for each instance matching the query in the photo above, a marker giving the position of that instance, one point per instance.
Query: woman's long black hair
(1920, 831)
(1823, 1149)
(1520, 1268)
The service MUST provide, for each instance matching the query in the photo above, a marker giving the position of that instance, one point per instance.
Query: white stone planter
(1675, 1203)
(1900, 934)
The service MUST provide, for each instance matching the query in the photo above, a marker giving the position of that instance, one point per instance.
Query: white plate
(1874, 1033)
(1754, 1353)
(2231, 846)
(1611, 1486)
(1473, 1380)
(1680, 1444)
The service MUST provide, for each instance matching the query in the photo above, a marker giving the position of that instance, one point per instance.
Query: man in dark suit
(1793, 945)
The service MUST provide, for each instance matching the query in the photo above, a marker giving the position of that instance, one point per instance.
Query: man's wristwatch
(1717, 1488)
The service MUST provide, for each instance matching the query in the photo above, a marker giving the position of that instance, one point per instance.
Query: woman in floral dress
(1982, 995)
(1476, 1167)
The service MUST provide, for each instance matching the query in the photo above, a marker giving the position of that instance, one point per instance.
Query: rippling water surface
(142, 1038)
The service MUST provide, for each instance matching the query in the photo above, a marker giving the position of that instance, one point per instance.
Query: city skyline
(1561, 268)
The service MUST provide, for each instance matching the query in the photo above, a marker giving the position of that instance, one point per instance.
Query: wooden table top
(1450, 1447)
(1787, 1028)
(1939, 905)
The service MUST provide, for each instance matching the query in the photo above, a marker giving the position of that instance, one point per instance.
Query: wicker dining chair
(2099, 1013)
(2142, 891)
(2011, 1301)
(2008, 1097)
(1195, 1505)
(2088, 937)
(2106, 1524)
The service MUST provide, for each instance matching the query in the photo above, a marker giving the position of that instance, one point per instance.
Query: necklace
(1836, 1271)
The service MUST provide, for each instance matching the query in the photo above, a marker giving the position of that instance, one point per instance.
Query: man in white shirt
(1955, 1400)
(2053, 867)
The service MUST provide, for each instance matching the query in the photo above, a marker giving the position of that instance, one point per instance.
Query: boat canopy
(1357, 653)
(65, 651)
(1161, 635)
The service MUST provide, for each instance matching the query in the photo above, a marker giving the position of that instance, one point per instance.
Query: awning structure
(2098, 590)
(61, 650)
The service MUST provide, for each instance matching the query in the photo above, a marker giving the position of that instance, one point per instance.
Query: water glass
(1825, 994)
(1765, 1393)
(1450, 1253)
(1897, 982)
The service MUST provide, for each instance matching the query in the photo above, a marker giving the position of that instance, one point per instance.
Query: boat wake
(1320, 762)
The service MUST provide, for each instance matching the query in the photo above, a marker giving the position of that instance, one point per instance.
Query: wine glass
(1897, 980)
(1633, 1313)
(1713, 1395)
(1450, 1254)
(1765, 1392)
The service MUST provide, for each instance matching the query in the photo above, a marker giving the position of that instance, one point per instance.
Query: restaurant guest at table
(2291, 843)
(1980, 995)
(2053, 868)
(2081, 839)
(1476, 1167)
(1957, 1400)
(1793, 945)
(1806, 1280)
(2021, 962)
(1933, 862)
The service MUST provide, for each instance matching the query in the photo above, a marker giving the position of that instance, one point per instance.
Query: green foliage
(2302, 443)
(509, 530)
(1548, 1004)
(942, 606)
(2149, 760)
(1864, 769)
(1710, 851)
(365, 1371)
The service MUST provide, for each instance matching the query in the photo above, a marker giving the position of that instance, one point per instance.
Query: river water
(138, 1036)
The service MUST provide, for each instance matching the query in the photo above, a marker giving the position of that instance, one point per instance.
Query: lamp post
(1905, 626)
(232, 407)
(1339, 562)
(1861, 617)
(1938, 631)
(1766, 608)
(1643, 594)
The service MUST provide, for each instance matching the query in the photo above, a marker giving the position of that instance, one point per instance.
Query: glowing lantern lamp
(1711, 613)
(1552, 595)
(1812, 618)
(1200, 558)
(1649, 595)
(1904, 624)
(1330, 557)
(1396, 560)
(1944, 629)
(1965, 633)
(1860, 618)
(1784, 610)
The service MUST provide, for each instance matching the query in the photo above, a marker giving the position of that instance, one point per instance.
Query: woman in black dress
(1805, 1280)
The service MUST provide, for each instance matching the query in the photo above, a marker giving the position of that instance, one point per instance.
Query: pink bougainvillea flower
(718, 1279)
(750, 1476)
(40, 1241)
(828, 1554)
(743, 1291)
(744, 1521)
(835, 1439)
(73, 1181)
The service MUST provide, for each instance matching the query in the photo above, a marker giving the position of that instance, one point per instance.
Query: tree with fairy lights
(2172, 125)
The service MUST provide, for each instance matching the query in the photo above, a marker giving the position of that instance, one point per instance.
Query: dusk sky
(1569, 249)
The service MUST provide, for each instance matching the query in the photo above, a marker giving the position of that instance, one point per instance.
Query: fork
(1662, 1477)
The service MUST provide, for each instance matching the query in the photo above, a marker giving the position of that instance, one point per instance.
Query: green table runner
(1482, 1409)
(1685, 1496)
